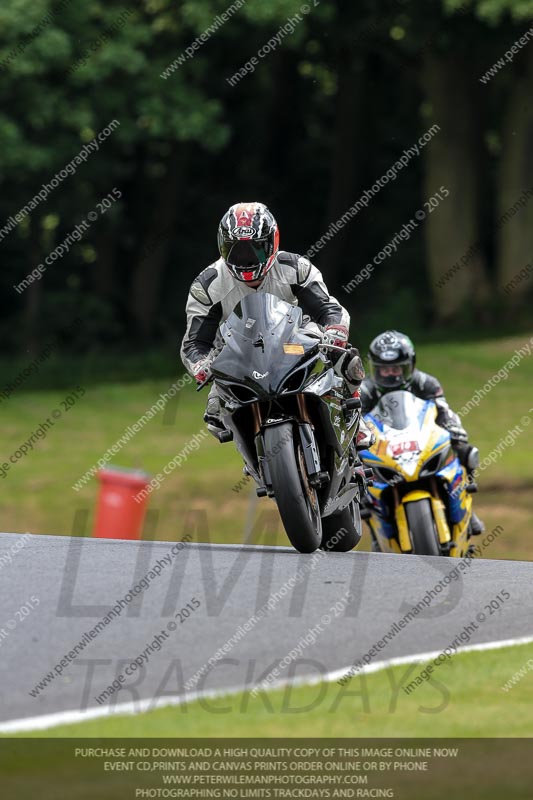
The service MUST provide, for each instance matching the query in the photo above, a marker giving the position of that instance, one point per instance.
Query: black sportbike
(293, 421)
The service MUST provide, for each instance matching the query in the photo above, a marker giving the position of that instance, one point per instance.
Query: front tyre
(341, 531)
(421, 524)
(297, 501)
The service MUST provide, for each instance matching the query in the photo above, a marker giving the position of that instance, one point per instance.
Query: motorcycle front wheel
(297, 501)
(422, 528)
(341, 531)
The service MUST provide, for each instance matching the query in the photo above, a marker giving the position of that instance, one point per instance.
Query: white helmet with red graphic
(248, 240)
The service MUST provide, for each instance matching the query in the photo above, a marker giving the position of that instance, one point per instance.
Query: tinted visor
(391, 376)
(246, 255)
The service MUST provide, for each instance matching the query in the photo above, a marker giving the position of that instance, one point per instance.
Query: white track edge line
(45, 721)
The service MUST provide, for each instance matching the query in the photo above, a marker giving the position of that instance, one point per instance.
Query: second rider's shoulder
(426, 385)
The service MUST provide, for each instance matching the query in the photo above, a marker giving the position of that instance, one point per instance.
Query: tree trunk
(152, 256)
(344, 156)
(283, 103)
(103, 271)
(34, 292)
(455, 252)
(514, 223)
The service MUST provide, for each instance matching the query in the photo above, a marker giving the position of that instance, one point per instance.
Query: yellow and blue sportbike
(420, 499)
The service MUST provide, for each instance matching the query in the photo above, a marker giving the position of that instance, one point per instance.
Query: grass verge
(462, 698)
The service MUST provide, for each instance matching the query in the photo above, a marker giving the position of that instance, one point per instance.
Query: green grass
(463, 699)
(463, 369)
(37, 494)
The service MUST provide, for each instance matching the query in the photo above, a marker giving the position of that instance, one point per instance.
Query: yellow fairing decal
(387, 545)
(460, 531)
(403, 530)
(441, 522)
(417, 494)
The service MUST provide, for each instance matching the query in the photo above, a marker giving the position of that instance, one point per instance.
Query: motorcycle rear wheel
(422, 528)
(297, 501)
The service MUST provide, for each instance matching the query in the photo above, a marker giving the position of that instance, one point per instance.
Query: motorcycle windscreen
(263, 342)
(399, 409)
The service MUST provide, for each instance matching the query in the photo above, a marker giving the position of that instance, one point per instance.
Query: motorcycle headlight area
(239, 393)
(435, 463)
(387, 475)
(295, 381)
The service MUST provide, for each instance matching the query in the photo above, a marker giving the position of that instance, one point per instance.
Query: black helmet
(392, 349)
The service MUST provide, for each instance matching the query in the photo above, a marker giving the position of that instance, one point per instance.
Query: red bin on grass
(119, 515)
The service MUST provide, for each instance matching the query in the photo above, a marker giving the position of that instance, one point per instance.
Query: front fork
(307, 441)
(439, 516)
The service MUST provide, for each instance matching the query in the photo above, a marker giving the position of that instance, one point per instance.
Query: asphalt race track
(54, 589)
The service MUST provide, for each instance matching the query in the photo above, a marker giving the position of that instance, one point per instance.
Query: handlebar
(324, 347)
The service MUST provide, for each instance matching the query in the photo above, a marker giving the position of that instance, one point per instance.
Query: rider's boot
(476, 525)
(213, 416)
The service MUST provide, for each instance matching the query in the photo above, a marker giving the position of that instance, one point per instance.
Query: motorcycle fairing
(254, 336)
(409, 443)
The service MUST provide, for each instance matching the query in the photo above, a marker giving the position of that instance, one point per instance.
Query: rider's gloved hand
(458, 435)
(365, 437)
(202, 370)
(336, 335)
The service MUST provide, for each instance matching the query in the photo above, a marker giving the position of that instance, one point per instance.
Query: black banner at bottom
(131, 769)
